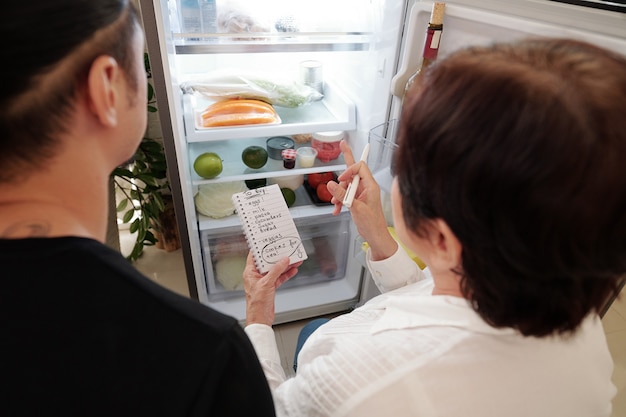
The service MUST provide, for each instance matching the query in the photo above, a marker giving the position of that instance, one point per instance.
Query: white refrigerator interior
(367, 49)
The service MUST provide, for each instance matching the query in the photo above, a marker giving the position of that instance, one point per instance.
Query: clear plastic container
(326, 239)
(327, 145)
(382, 140)
(306, 156)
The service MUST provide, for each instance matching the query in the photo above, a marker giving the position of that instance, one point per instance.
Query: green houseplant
(143, 186)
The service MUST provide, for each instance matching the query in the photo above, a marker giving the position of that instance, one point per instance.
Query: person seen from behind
(83, 332)
(510, 185)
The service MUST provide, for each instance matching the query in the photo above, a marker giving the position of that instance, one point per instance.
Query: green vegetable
(214, 200)
(285, 95)
(229, 271)
(220, 85)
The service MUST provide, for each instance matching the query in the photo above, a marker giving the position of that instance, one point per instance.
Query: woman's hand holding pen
(366, 209)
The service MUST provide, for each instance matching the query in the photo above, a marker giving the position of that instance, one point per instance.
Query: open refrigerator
(368, 49)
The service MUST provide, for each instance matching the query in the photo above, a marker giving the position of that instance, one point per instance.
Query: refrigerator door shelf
(233, 168)
(334, 112)
(382, 139)
(464, 26)
(326, 241)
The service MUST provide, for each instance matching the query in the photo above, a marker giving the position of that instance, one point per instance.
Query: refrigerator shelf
(303, 208)
(233, 168)
(234, 43)
(334, 112)
(269, 173)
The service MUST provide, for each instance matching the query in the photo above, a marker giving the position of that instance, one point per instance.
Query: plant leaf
(147, 179)
(145, 222)
(150, 238)
(128, 215)
(158, 200)
(134, 226)
(137, 251)
(122, 172)
(151, 146)
(122, 205)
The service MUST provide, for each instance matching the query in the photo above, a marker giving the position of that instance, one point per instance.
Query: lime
(289, 195)
(208, 165)
(254, 156)
(256, 183)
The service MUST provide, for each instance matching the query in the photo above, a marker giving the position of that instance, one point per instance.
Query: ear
(103, 84)
(446, 247)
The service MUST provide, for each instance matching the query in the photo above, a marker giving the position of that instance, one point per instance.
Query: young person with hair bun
(83, 332)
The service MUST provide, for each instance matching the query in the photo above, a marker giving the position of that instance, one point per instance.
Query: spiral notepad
(268, 226)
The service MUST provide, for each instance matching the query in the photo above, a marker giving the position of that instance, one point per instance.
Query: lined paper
(268, 226)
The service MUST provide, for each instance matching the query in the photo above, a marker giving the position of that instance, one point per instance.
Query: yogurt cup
(306, 156)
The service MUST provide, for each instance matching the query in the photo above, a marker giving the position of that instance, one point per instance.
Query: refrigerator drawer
(326, 239)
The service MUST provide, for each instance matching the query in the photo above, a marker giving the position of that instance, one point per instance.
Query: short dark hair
(521, 149)
(37, 94)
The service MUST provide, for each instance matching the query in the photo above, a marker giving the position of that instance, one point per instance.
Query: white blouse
(409, 353)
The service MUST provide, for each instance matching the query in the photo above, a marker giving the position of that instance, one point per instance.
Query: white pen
(351, 191)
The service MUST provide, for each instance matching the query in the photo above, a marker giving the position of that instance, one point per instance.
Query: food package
(239, 18)
(232, 84)
(302, 138)
(237, 112)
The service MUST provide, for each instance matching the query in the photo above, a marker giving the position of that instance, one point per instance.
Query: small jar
(289, 158)
(327, 145)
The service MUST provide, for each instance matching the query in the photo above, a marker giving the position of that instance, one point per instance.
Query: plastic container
(327, 145)
(311, 75)
(326, 240)
(382, 139)
(306, 156)
(288, 181)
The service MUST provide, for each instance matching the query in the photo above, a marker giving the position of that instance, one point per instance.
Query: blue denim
(306, 331)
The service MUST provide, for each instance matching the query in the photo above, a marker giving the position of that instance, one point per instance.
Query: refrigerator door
(480, 22)
(477, 22)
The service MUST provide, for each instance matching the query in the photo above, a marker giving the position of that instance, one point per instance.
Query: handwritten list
(268, 226)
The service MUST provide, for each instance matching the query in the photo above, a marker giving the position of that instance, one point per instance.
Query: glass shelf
(229, 43)
(334, 112)
(302, 209)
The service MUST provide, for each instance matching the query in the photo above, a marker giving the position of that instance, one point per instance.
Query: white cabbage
(214, 200)
(229, 271)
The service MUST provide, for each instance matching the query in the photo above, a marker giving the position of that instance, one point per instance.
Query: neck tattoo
(26, 228)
